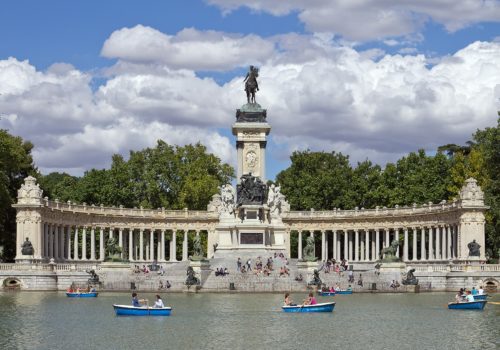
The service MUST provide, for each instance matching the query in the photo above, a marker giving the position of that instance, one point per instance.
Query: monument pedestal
(307, 266)
(393, 267)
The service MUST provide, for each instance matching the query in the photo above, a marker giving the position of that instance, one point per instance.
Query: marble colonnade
(436, 243)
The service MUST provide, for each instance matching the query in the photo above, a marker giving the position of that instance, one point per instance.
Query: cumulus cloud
(374, 19)
(189, 49)
(319, 95)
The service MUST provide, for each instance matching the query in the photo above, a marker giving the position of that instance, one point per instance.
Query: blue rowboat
(127, 310)
(468, 305)
(343, 291)
(81, 295)
(480, 297)
(326, 294)
(323, 307)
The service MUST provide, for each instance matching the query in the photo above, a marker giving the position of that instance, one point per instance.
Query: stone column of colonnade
(425, 243)
(87, 243)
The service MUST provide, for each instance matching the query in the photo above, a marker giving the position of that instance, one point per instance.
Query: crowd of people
(332, 265)
(464, 295)
(221, 271)
(333, 289)
(160, 270)
(263, 267)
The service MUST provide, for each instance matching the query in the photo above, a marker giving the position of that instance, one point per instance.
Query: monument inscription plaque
(251, 238)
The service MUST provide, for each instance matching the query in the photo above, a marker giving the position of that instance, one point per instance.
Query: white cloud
(319, 95)
(374, 19)
(189, 49)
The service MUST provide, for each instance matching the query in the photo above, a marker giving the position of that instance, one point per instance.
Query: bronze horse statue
(251, 85)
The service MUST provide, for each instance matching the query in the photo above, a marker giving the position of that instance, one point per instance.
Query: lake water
(49, 320)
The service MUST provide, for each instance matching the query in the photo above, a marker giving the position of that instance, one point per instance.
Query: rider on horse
(251, 85)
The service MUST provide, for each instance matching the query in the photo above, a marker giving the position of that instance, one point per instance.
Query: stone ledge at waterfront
(431, 278)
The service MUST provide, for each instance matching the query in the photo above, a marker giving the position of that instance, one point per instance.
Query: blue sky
(368, 80)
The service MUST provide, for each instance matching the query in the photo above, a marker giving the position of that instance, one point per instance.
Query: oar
(494, 302)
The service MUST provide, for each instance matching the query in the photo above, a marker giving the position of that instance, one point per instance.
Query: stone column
(361, 247)
(335, 245)
(372, 238)
(185, 246)
(151, 244)
(438, 242)
(162, 240)
(453, 241)
(70, 256)
(346, 239)
(111, 232)
(396, 238)
(56, 242)
(448, 242)
(173, 246)
(367, 245)
(101, 242)
(61, 242)
(350, 246)
(387, 238)
(45, 240)
(158, 246)
(131, 244)
(141, 244)
(356, 245)
(84, 243)
(414, 255)
(423, 255)
(377, 243)
(120, 240)
(431, 243)
(300, 245)
(323, 245)
(405, 245)
(75, 244)
(51, 242)
(92, 243)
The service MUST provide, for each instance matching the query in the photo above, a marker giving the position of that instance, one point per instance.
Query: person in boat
(469, 296)
(481, 290)
(474, 291)
(136, 302)
(349, 288)
(288, 300)
(159, 302)
(331, 290)
(310, 300)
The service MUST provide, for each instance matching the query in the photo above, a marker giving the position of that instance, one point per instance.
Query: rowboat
(468, 305)
(127, 310)
(480, 297)
(323, 307)
(81, 294)
(326, 294)
(343, 291)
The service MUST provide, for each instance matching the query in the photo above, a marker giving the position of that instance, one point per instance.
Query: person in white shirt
(158, 302)
(469, 296)
(481, 290)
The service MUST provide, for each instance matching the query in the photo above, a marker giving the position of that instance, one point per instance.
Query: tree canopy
(172, 177)
(16, 163)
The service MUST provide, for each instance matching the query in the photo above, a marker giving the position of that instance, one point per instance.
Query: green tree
(317, 180)
(172, 177)
(15, 164)
(488, 143)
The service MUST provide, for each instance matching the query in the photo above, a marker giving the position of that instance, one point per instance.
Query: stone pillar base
(307, 266)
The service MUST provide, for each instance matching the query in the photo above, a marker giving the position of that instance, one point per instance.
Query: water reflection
(32, 320)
